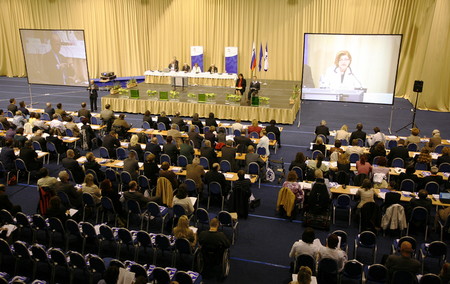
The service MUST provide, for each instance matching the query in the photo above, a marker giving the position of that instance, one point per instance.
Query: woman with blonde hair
(303, 276)
(342, 134)
(134, 145)
(90, 187)
(182, 230)
(254, 128)
(319, 145)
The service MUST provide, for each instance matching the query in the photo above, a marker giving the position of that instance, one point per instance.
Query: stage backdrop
(231, 59)
(197, 56)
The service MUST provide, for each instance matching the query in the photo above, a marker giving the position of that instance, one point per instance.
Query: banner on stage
(197, 56)
(231, 59)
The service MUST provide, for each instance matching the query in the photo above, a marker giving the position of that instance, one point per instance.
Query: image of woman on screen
(340, 76)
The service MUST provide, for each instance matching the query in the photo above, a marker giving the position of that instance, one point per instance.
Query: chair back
(409, 239)
(121, 153)
(144, 239)
(39, 253)
(437, 249)
(39, 222)
(162, 241)
(1, 126)
(253, 168)
(146, 125)
(57, 257)
(143, 182)
(237, 133)
(439, 148)
(398, 163)
(104, 153)
(111, 175)
(327, 271)
(191, 186)
(353, 269)
(7, 217)
(215, 188)
(88, 199)
(421, 166)
(344, 239)
(432, 187)
(430, 278)
(88, 230)
(375, 160)
(178, 211)
(254, 135)
(36, 145)
(45, 116)
(315, 153)
(225, 166)
(96, 264)
(22, 220)
(205, 129)
(107, 233)
(408, 185)
(343, 201)
(367, 239)
(94, 120)
(360, 142)
(324, 139)
(125, 236)
(94, 174)
(21, 250)
(183, 246)
(204, 162)
(261, 151)
(69, 132)
(182, 161)
(125, 177)
(154, 210)
(77, 260)
(161, 126)
(403, 277)
(116, 262)
(133, 207)
(419, 213)
(138, 270)
(197, 129)
(354, 157)
(344, 142)
(413, 147)
(225, 219)
(165, 158)
(161, 275)
(391, 144)
(72, 227)
(377, 273)
(161, 140)
(299, 173)
(271, 136)
(305, 260)
(10, 114)
(444, 167)
(64, 199)
(20, 165)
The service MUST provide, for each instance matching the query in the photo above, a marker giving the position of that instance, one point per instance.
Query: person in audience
(182, 230)
(435, 139)
(254, 157)
(12, 106)
(23, 109)
(30, 157)
(318, 164)
(213, 239)
(84, 112)
(333, 252)
(179, 121)
(131, 165)
(195, 137)
(91, 164)
(171, 149)
(89, 186)
(56, 210)
(264, 142)
(183, 200)
(211, 121)
(108, 117)
(175, 133)
(354, 148)
(148, 118)
(196, 69)
(342, 133)
(40, 123)
(59, 110)
(299, 162)
(324, 130)
(75, 196)
(424, 157)
(392, 196)
(215, 175)
(154, 148)
(221, 135)
(237, 125)
(275, 130)
(380, 173)
(49, 110)
(294, 186)
(32, 118)
(408, 174)
(414, 138)
(343, 164)
(168, 174)
(229, 154)
(422, 201)
(8, 157)
(69, 163)
(134, 145)
(208, 152)
(363, 166)
(46, 180)
(60, 147)
(254, 128)
(398, 152)
(196, 172)
(72, 126)
(433, 177)
(377, 150)
(243, 139)
(336, 151)
(111, 275)
(303, 276)
(164, 119)
(19, 138)
(133, 194)
(120, 121)
(6, 204)
(88, 132)
(111, 142)
(359, 134)
(445, 273)
(151, 169)
(4, 120)
(18, 119)
(403, 262)
(187, 150)
(107, 191)
(210, 135)
(319, 146)
(241, 84)
(55, 123)
(377, 137)
(9, 134)
(198, 122)
(41, 140)
(445, 158)
(305, 245)
(366, 193)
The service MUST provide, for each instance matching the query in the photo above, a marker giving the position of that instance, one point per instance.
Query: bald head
(406, 248)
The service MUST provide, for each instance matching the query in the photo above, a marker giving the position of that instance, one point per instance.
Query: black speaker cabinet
(418, 85)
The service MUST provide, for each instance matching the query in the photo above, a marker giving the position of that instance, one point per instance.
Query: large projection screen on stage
(55, 57)
(350, 68)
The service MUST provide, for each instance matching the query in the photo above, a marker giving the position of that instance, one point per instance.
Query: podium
(333, 95)
(177, 81)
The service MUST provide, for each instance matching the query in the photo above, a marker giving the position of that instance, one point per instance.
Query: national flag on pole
(253, 63)
(260, 57)
(266, 60)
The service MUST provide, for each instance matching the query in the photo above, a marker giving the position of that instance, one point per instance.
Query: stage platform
(279, 93)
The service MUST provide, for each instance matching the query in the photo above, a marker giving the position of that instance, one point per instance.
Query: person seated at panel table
(435, 140)
(196, 69)
(241, 84)
(424, 157)
(324, 130)
(171, 149)
(164, 119)
(445, 158)
(23, 109)
(414, 137)
(90, 187)
(186, 68)
(215, 175)
(422, 201)
(343, 164)
(212, 69)
(380, 173)
(399, 152)
(91, 164)
(340, 76)
(359, 134)
(148, 118)
(195, 137)
(198, 122)
(319, 146)
(11, 132)
(305, 245)
(32, 118)
(275, 130)
(173, 66)
(134, 145)
(377, 150)
(255, 86)
(59, 110)
(342, 133)
(211, 121)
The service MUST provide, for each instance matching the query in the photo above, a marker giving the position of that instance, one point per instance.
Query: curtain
(130, 37)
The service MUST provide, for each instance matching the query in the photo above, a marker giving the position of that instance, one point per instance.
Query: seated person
(196, 172)
(91, 164)
(299, 162)
(354, 148)
(4, 120)
(294, 186)
(366, 193)
(69, 163)
(209, 153)
(154, 148)
(131, 166)
(164, 119)
(111, 142)
(213, 239)
(324, 130)
(424, 157)
(211, 121)
(198, 122)
(229, 154)
(380, 173)
(305, 245)
(377, 150)
(40, 123)
(414, 138)
(392, 197)
(255, 86)
(134, 145)
(18, 119)
(133, 194)
(30, 157)
(243, 139)
(55, 123)
(89, 186)
(222, 136)
(83, 112)
(6, 204)
(59, 110)
(121, 122)
(46, 180)
(433, 177)
(41, 140)
(264, 142)
(303, 276)
(445, 158)
(19, 138)
(403, 262)
(377, 137)
(336, 151)
(254, 128)
(171, 149)
(215, 175)
(174, 133)
(73, 126)
(333, 252)
(108, 117)
(196, 69)
(151, 169)
(195, 137)
(319, 146)
(275, 130)
(148, 118)
(23, 109)
(75, 196)
(398, 152)
(183, 199)
(237, 125)
(11, 132)
(320, 179)
(318, 164)
(342, 133)
(56, 210)
(179, 121)
(107, 191)
(7, 156)
(422, 201)
(358, 134)
(169, 174)
(254, 157)
(210, 135)
(187, 150)
(363, 166)
(49, 110)
(182, 230)
(435, 139)
(408, 174)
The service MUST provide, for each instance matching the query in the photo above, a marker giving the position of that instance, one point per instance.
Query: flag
(253, 63)
(260, 57)
(266, 60)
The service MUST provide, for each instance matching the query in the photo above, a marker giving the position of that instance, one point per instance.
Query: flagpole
(265, 79)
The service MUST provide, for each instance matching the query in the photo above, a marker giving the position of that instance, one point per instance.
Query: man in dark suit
(75, 196)
(164, 119)
(254, 88)
(178, 120)
(186, 68)
(229, 154)
(254, 157)
(359, 134)
(41, 140)
(8, 157)
(133, 194)
(6, 204)
(131, 165)
(69, 163)
(423, 200)
(398, 152)
(212, 69)
(243, 139)
(84, 112)
(4, 121)
(173, 66)
(93, 95)
(322, 129)
(56, 66)
(214, 175)
(209, 153)
(49, 110)
(154, 148)
(275, 130)
(29, 156)
(195, 137)
(12, 106)
(59, 145)
(111, 142)
(433, 177)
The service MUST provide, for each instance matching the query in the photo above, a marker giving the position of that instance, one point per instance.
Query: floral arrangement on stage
(294, 95)
(174, 95)
(152, 95)
(192, 98)
(210, 98)
(123, 91)
(264, 101)
(115, 88)
(232, 99)
(131, 83)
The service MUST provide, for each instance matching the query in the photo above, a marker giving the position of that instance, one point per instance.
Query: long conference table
(203, 79)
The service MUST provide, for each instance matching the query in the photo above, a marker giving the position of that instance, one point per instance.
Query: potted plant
(115, 88)
(131, 83)
(152, 95)
(174, 96)
(192, 97)
(233, 99)
(294, 95)
(264, 101)
(210, 98)
(123, 92)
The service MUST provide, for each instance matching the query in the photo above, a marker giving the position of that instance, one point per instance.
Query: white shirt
(264, 142)
(237, 126)
(342, 135)
(354, 149)
(377, 137)
(58, 124)
(196, 69)
(339, 255)
(333, 79)
(300, 247)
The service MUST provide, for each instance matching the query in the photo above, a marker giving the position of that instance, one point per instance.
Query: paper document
(382, 195)
(194, 229)
(119, 164)
(81, 160)
(141, 164)
(228, 176)
(306, 185)
(10, 228)
(125, 276)
(353, 190)
(193, 200)
(72, 212)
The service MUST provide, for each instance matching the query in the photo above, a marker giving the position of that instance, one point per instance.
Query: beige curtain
(130, 37)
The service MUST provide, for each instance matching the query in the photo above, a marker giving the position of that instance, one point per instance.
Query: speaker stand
(413, 122)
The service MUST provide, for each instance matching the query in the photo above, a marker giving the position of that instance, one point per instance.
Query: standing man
(173, 66)
(93, 95)
(254, 88)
